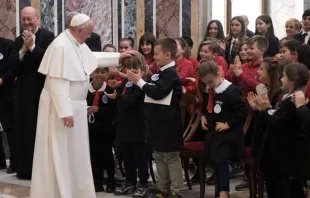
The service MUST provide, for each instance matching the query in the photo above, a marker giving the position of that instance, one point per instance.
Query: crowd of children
(251, 91)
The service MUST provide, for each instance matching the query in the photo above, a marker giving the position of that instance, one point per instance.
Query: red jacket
(185, 69)
(153, 68)
(248, 79)
(195, 63)
(219, 60)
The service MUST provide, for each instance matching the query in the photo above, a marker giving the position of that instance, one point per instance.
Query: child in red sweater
(209, 51)
(184, 67)
(190, 44)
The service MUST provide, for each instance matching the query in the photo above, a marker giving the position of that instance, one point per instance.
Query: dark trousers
(7, 122)
(283, 186)
(221, 170)
(101, 156)
(135, 159)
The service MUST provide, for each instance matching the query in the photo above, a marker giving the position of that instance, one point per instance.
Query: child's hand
(299, 99)
(113, 71)
(237, 62)
(237, 71)
(252, 100)
(111, 96)
(204, 123)
(134, 76)
(95, 109)
(183, 90)
(262, 102)
(220, 126)
(193, 80)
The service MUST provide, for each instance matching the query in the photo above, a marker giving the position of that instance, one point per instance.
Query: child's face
(180, 50)
(206, 54)
(261, 26)
(213, 30)
(243, 52)
(99, 76)
(124, 46)
(162, 58)
(286, 56)
(211, 80)
(109, 49)
(235, 27)
(262, 73)
(306, 23)
(290, 28)
(146, 48)
(254, 53)
(287, 85)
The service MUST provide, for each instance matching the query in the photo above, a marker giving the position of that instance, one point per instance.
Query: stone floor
(11, 187)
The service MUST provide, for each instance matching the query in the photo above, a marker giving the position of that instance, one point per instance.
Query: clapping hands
(258, 102)
(28, 38)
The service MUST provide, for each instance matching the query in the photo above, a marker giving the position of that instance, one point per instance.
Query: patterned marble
(119, 13)
(47, 14)
(194, 28)
(148, 16)
(37, 6)
(100, 11)
(281, 11)
(130, 19)
(140, 13)
(186, 17)
(167, 18)
(306, 4)
(8, 19)
(59, 16)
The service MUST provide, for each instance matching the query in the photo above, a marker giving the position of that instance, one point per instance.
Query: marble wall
(186, 17)
(8, 19)
(130, 19)
(167, 18)
(148, 16)
(99, 10)
(47, 14)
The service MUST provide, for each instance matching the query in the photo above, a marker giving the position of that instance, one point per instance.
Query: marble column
(306, 4)
(140, 18)
(186, 18)
(167, 18)
(8, 19)
(194, 26)
(47, 15)
(148, 16)
(130, 22)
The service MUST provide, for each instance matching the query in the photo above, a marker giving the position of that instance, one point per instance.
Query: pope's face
(85, 33)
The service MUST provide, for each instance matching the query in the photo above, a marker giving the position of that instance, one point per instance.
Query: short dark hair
(188, 40)
(168, 45)
(135, 62)
(297, 73)
(261, 41)
(306, 13)
(109, 46)
(131, 40)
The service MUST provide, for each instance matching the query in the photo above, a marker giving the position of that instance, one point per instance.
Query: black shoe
(211, 180)
(99, 189)
(140, 192)
(125, 189)
(23, 177)
(10, 170)
(110, 188)
(243, 186)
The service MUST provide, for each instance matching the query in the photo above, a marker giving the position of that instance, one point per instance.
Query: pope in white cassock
(61, 164)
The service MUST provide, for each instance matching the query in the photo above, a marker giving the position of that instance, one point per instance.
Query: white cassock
(61, 164)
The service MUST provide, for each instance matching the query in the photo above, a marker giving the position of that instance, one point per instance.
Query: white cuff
(32, 47)
(141, 83)
(21, 55)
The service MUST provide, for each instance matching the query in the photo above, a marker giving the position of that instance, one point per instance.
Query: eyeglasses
(24, 19)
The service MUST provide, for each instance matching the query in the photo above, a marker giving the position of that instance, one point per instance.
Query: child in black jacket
(102, 112)
(131, 130)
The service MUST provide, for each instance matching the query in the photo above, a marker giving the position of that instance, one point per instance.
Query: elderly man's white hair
(69, 17)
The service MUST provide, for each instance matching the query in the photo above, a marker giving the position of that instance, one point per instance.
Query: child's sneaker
(125, 189)
(110, 188)
(140, 192)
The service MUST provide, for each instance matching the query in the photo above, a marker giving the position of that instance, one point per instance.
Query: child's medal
(105, 99)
